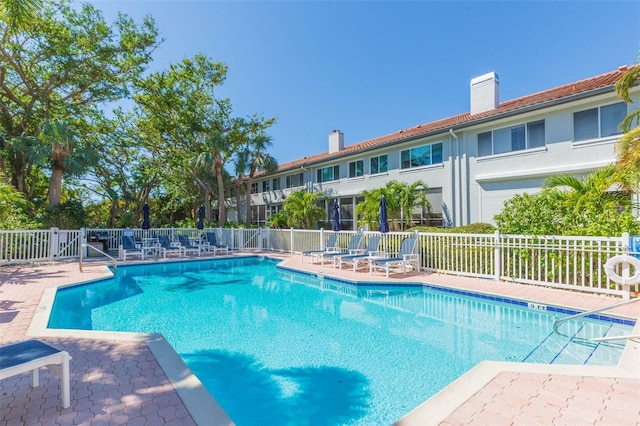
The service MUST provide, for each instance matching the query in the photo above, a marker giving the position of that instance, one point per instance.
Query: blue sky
(369, 68)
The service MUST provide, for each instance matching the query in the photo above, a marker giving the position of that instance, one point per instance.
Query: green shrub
(472, 228)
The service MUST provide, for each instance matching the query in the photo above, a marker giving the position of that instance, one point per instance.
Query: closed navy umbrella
(336, 216)
(384, 223)
(201, 217)
(146, 222)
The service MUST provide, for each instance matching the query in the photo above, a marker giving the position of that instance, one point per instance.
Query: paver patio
(118, 381)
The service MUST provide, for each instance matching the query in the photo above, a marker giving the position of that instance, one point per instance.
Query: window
(328, 174)
(510, 139)
(356, 168)
(421, 156)
(293, 181)
(276, 184)
(598, 122)
(378, 164)
(254, 187)
(265, 186)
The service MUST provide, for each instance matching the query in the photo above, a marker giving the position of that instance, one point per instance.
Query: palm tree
(61, 139)
(408, 196)
(18, 13)
(401, 199)
(628, 148)
(302, 210)
(593, 201)
(259, 160)
(368, 211)
(241, 165)
(218, 147)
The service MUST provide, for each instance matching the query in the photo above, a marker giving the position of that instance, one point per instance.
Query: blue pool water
(279, 347)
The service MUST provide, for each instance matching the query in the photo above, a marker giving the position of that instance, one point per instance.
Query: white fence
(564, 262)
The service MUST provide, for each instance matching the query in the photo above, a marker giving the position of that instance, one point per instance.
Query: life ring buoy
(610, 269)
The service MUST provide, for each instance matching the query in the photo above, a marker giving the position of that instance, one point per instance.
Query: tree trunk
(208, 215)
(239, 196)
(18, 176)
(222, 209)
(247, 201)
(55, 184)
(3, 170)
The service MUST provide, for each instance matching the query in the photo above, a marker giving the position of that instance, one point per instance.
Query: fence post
(54, 243)
(321, 238)
(626, 272)
(291, 240)
(83, 240)
(268, 240)
(240, 232)
(624, 242)
(497, 256)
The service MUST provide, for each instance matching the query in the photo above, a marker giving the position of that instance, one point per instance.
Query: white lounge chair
(352, 248)
(30, 355)
(370, 252)
(407, 255)
(331, 245)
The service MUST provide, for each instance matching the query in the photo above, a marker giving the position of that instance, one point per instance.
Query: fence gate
(65, 243)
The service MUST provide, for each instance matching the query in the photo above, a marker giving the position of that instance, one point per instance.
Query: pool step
(557, 349)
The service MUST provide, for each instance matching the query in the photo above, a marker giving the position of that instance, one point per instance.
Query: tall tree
(191, 127)
(62, 65)
(259, 161)
(125, 172)
(66, 154)
(186, 124)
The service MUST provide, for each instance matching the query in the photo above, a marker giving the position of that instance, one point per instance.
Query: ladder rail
(556, 323)
(89, 246)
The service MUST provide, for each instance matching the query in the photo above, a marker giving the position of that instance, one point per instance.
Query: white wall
(473, 189)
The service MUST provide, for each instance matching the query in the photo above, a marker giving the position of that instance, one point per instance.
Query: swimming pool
(282, 347)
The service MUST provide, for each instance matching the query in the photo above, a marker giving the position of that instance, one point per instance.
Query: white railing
(564, 262)
(25, 246)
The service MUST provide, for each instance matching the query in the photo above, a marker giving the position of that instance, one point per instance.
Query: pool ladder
(89, 246)
(557, 323)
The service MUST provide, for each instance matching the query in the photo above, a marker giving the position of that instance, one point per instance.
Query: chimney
(484, 93)
(336, 141)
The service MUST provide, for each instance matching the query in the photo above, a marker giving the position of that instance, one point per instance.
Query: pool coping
(204, 409)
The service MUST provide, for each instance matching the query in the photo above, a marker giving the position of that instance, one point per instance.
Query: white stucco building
(471, 162)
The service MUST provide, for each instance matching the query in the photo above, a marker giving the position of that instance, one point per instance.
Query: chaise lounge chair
(212, 241)
(369, 253)
(129, 248)
(187, 246)
(407, 255)
(30, 355)
(352, 248)
(332, 241)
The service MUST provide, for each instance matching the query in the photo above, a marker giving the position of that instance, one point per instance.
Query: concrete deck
(125, 378)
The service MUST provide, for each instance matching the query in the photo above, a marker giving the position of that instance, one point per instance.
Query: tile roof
(513, 105)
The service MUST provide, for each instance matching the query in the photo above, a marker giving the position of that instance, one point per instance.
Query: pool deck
(127, 378)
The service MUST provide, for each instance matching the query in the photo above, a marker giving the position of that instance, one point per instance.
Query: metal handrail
(115, 262)
(557, 323)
